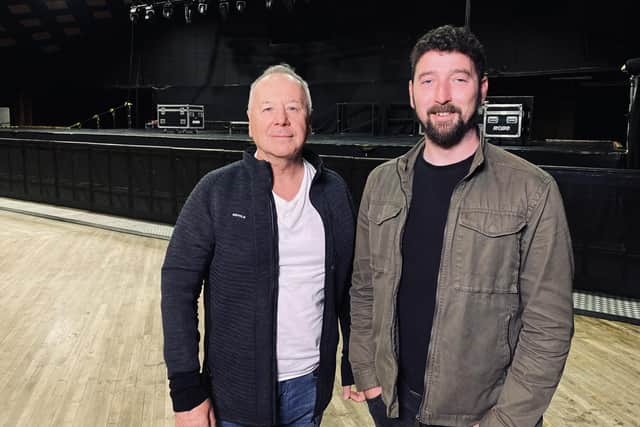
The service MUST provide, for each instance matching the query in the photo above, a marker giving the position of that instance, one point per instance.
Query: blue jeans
(296, 403)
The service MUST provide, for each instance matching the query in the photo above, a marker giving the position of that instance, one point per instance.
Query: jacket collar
(478, 158)
(407, 161)
(263, 168)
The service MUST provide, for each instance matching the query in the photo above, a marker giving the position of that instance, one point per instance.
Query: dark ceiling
(48, 25)
(29, 28)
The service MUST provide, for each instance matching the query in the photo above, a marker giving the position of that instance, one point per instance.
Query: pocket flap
(492, 224)
(381, 213)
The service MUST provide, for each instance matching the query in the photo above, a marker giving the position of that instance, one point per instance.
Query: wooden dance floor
(81, 338)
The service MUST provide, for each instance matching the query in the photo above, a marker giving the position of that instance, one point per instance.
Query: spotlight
(268, 3)
(133, 14)
(167, 10)
(149, 12)
(203, 5)
(223, 6)
(241, 5)
(187, 13)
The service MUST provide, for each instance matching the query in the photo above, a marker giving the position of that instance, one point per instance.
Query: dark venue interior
(81, 81)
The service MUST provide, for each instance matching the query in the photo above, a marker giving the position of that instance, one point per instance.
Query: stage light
(145, 10)
(187, 13)
(133, 14)
(268, 3)
(167, 10)
(149, 12)
(632, 66)
(223, 6)
(203, 5)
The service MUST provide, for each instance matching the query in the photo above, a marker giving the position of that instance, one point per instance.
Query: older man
(271, 238)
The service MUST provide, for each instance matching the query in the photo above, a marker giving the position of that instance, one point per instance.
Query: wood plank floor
(81, 338)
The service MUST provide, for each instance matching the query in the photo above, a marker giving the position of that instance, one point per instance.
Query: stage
(583, 153)
(148, 174)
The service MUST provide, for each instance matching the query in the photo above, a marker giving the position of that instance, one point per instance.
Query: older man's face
(278, 117)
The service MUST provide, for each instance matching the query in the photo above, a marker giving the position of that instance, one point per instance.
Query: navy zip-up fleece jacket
(225, 242)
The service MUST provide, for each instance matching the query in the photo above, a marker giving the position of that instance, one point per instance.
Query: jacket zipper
(427, 374)
(394, 326)
(328, 264)
(276, 268)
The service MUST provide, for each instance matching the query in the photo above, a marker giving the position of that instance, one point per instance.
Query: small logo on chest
(238, 215)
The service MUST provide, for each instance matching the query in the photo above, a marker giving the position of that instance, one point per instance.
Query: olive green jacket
(503, 317)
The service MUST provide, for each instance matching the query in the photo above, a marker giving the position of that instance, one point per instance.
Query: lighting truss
(141, 10)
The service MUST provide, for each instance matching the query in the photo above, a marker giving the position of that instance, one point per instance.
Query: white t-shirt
(301, 248)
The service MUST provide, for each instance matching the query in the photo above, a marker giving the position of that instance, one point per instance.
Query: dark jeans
(296, 402)
(409, 406)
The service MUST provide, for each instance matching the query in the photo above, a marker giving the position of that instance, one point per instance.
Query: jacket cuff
(188, 390)
(365, 379)
(491, 419)
(345, 372)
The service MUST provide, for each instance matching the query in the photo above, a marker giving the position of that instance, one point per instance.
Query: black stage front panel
(149, 175)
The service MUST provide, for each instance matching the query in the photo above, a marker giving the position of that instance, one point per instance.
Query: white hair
(287, 70)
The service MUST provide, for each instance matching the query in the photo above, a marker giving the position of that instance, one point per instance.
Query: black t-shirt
(421, 252)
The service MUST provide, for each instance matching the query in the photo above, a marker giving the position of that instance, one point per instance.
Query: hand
(200, 416)
(348, 392)
(476, 425)
(373, 392)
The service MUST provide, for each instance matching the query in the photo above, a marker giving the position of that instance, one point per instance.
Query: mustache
(447, 108)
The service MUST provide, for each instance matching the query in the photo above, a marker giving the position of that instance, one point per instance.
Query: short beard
(447, 137)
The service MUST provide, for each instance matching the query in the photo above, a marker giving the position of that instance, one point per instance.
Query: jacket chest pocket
(384, 223)
(486, 251)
